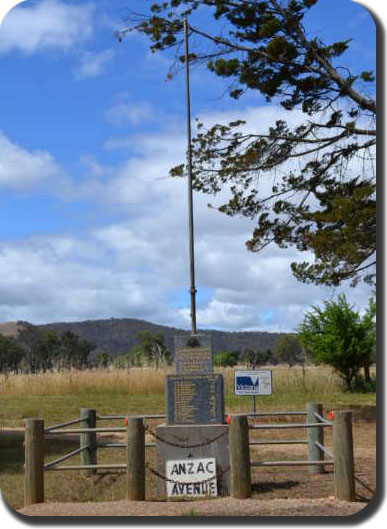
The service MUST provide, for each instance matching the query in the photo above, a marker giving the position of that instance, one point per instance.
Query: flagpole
(189, 174)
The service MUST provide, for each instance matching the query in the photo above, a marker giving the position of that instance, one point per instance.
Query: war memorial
(195, 428)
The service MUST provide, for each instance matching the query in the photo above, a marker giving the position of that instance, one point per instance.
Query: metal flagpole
(189, 172)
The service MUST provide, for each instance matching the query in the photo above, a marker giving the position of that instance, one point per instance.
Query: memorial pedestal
(194, 442)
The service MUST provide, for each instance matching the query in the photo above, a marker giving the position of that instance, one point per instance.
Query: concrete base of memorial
(193, 442)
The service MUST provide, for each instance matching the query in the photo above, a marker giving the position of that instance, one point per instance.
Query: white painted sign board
(256, 382)
(191, 477)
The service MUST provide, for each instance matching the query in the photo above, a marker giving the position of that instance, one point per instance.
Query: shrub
(226, 359)
(361, 385)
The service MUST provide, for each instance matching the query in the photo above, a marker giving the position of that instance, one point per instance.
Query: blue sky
(89, 225)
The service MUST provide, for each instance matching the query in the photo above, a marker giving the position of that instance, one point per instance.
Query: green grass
(59, 397)
(58, 408)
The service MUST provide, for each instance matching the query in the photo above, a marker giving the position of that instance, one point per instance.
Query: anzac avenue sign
(191, 477)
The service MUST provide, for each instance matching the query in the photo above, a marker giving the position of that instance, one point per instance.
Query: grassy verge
(59, 396)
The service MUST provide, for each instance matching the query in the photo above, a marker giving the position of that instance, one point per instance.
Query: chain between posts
(178, 445)
(217, 475)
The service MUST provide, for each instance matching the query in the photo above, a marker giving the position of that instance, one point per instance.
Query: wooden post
(135, 458)
(34, 461)
(89, 455)
(240, 457)
(344, 474)
(315, 434)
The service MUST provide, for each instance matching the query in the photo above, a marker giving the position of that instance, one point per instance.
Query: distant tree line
(249, 357)
(333, 334)
(37, 351)
(34, 350)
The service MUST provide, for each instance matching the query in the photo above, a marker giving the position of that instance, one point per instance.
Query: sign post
(254, 396)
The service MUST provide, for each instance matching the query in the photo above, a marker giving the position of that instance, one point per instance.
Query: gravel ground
(218, 507)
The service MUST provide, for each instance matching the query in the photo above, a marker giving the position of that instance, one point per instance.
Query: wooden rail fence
(341, 457)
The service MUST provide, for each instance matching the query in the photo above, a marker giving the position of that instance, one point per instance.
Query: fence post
(344, 474)
(88, 456)
(240, 457)
(135, 459)
(34, 461)
(315, 434)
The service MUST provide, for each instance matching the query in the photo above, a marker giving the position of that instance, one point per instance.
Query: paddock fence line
(240, 441)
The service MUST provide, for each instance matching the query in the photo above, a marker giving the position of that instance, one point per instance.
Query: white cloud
(132, 113)
(131, 269)
(49, 24)
(93, 64)
(55, 278)
(22, 170)
(134, 267)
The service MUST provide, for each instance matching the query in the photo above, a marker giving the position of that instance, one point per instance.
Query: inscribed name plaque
(193, 360)
(194, 399)
(191, 477)
(193, 354)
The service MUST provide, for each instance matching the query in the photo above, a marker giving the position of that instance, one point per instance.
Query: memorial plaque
(194, 399)
(193, 354)
(193, 360)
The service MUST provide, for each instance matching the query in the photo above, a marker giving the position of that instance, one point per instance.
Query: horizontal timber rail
(89, 467)
(280, 442)
(276, 414)
(122, 445)
(289, 463)
(117, 417)
(281, 426)
(89, 430)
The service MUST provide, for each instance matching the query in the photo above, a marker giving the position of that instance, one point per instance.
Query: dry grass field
(57, 397)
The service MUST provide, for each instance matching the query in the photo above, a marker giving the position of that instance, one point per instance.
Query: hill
(10, 328)
(117, 336)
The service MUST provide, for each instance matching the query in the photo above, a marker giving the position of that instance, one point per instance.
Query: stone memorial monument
(195, 424)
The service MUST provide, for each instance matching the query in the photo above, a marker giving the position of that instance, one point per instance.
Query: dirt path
(219, 507)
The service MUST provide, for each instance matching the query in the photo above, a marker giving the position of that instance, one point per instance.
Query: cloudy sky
(90, 225)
